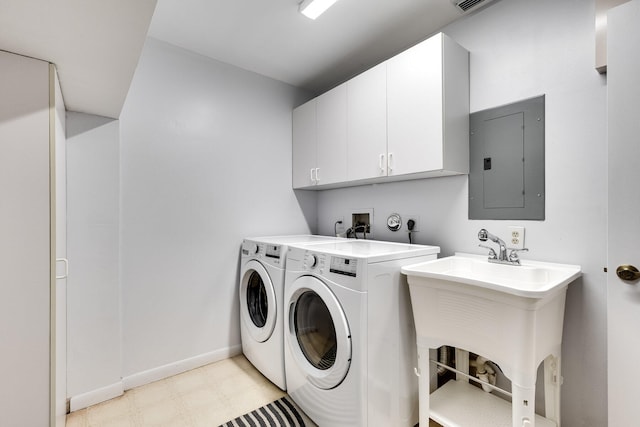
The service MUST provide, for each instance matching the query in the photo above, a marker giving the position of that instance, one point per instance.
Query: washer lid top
(373, 250)
(300, 238)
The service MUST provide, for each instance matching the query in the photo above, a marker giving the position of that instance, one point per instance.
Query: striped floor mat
(281, 413)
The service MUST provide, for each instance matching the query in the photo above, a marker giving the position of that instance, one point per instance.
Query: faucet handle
(492, 253)
(513, 255)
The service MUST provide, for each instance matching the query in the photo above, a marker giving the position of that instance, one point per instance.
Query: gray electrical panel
(506, 154)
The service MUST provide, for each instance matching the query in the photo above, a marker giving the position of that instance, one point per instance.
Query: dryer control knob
(312, 261)
(253, 249)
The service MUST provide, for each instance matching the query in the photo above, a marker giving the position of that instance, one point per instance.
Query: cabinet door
(367, 124)
(414, 97)
(304, 145)
(332, 136)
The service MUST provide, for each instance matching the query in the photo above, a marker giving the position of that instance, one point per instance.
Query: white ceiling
(95, 45)
(272, 38)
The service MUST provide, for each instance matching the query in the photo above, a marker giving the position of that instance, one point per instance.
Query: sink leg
(523, 405)
(424, 388)
(552, 383)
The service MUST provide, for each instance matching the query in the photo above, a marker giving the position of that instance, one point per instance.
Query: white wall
(205, 161)
(521, 49)
(93, 297)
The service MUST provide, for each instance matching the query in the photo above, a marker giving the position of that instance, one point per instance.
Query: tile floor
(206, 396)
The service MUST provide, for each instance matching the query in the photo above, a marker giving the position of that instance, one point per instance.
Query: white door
(623, 296)
(25, 243)
(60, 305)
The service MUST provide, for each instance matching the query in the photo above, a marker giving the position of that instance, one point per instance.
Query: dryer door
(318, 333)
(257, 301)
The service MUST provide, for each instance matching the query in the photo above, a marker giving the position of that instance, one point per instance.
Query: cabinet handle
(380, 164)
(317, 175)
(390, 165)
(66, 268)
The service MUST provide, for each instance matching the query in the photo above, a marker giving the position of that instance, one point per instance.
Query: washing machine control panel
(344, 266)
(318, 263)
(250, 248)
(314, 261)
(272, 251)
(268, 253)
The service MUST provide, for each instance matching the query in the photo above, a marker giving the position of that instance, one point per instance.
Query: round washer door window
(319, 334)
(257, 301)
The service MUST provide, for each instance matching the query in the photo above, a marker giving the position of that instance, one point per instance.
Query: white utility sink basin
(510, 314)
(531, 279)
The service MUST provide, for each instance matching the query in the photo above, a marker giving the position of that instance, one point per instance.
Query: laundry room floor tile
(206, 396)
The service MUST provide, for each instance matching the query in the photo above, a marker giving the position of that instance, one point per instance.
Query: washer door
(257, 301)
(319, 336)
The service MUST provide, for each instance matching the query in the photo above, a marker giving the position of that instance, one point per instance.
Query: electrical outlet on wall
(416, 222)
(516, 237)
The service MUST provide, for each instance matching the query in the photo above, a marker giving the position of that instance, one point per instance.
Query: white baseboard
(93, 397)
(162, 372)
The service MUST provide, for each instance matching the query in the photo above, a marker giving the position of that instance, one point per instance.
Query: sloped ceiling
(272, 38)
(95, 45)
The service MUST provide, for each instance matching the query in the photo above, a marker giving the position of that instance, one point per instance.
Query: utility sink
(510, 314)
(531, 279)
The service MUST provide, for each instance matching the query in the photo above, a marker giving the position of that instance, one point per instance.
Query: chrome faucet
(483, 235)
(501, 257)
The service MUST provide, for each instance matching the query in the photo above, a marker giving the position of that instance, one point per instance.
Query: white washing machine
(261, 304)
(350, 346)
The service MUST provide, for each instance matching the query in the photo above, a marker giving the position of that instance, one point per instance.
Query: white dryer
(261, 304)
(350, 347)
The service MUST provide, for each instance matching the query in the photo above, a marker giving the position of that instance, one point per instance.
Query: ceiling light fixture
(314, 8)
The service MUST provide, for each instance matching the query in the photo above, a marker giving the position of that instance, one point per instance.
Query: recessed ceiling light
(314, 8)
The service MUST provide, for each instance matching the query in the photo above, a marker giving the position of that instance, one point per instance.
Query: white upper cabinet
(331, 117)
(428, 109)
(406, 118)
(367, 124)
(305, 137)
(320, 140)
(414, 101)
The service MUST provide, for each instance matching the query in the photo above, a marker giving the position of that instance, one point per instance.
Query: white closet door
(59, 309)
(25, 252)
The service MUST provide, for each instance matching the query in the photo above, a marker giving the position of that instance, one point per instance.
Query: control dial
(312, 261)
(253, 249)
